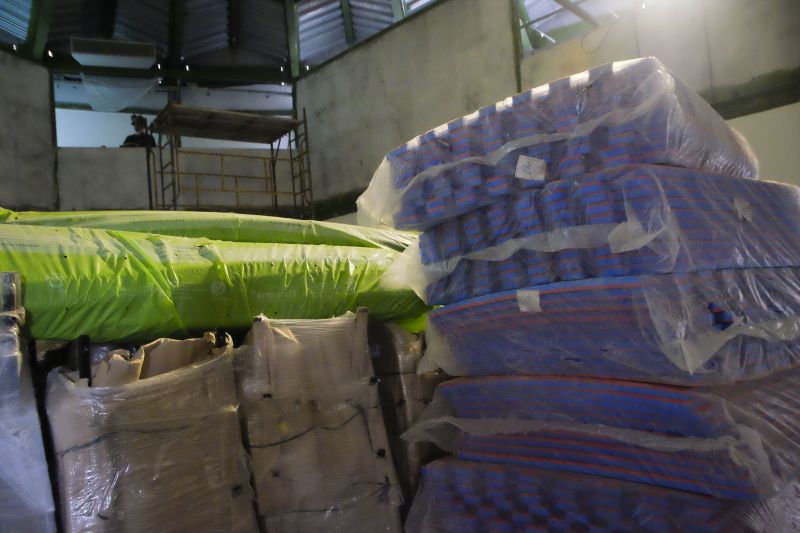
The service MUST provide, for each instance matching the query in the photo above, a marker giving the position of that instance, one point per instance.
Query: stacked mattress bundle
(314, 426)
(605, 229)
(624, 112)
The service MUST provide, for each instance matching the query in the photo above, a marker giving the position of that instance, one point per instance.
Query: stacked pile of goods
(624, 299)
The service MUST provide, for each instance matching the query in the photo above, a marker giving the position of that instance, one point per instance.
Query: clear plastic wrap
(26, 498)
(315, 431)
(115, 285)
(404, 395)
(630, 220)
(234, 227)
(624, 112)
(737, 442)
(159, 453)
(466, 496)
(708, 327)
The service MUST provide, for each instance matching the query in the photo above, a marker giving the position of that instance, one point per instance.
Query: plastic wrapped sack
(623, 112)
(235, 227)
(321, 461)
(159, 448)
(26, 498)
(738, 442)
(114, 285)
(709, 327)
(404, 395)
(466, 496)
(630, 220)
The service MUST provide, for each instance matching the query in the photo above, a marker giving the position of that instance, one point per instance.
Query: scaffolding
(174, 184)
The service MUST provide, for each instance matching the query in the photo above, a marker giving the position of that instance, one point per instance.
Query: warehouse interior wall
(27, 145)
(459, 55)
(442, 62)
(445, 62)
(116, 178)
(774, 135)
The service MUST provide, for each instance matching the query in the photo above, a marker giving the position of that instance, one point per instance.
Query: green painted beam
(38, 28)
(292, 37)
(349, 31)
(578, 11)
(534, 37)
(398, 9)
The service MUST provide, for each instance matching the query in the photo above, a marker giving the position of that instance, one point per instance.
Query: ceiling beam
(230, 74)
(578, 11)
(398, 9)
(176, 17)
(234, 22)
(108, 13)
(349, 31)
(38, 28)
(292, 37)
(534, 37)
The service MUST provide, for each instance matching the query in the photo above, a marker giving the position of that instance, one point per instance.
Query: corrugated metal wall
(321, 29)
(370, 16)
(15, 15)
(263, 30)
(205, 27)
(143, 21)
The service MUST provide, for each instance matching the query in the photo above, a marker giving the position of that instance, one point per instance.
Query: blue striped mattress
(739, 442)
(698, 220)
(470, 497)
(707, 327)
(624, 112)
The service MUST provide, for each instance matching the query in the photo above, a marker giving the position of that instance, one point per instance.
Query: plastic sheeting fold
(315, 431)
(26, 498)
(235, 227)
(737, 442)
(115, 285)
(161, 453)
(466, 496)
(624, 112)
(637, 219)
(699, 328)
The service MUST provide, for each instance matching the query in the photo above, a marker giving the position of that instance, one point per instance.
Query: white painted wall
(80, 128)
(27, 153)
(448, 61)
(709, 44)
(775, 137)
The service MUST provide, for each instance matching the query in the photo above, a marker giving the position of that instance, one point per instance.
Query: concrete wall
(446, 62)
(775, 137)
(712, 45)
(102, 178)
(27, 151)
(116, 178)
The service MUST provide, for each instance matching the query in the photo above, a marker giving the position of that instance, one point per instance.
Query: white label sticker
(529, 301)
(744, 209)
(530, 168)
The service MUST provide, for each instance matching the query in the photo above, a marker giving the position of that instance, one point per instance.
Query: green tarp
(220, 226)
(115, 285)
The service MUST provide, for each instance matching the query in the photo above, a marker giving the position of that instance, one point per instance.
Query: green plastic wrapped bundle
(115, 285)
(233, 227)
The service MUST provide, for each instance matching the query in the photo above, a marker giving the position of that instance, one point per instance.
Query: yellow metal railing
(223, 179)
